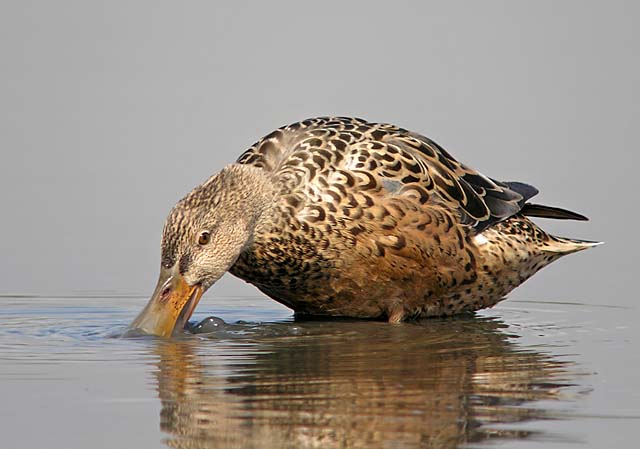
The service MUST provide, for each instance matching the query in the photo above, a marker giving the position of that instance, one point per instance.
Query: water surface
(526, 374)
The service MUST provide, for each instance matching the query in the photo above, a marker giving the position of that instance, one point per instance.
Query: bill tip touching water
(336, 216)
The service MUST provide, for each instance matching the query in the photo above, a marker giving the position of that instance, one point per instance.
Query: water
(525, 374)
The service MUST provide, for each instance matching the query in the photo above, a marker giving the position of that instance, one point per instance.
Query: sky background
(111, 111)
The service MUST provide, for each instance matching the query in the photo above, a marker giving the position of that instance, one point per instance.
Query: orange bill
(170, 307)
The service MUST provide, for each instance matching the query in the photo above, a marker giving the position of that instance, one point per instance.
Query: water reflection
(351, 385)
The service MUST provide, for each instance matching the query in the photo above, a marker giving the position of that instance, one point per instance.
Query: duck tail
(540, 211)
(563, 245)
(553, 244)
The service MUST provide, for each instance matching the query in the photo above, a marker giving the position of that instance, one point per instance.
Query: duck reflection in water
(352, 385)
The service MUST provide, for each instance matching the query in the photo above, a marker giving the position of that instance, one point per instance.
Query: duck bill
(170, 307)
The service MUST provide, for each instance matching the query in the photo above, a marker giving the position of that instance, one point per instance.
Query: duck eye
(204, 238)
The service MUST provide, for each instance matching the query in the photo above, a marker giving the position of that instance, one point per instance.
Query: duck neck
(253, 195)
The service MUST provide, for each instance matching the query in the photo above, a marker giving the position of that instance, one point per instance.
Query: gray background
(111, 111)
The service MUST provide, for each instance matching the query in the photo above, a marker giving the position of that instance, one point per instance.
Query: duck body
(336, 216)
(374, 221)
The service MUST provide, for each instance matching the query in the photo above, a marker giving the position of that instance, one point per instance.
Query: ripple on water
(297, 384)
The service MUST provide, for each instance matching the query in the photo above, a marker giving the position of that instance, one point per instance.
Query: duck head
(203, 236)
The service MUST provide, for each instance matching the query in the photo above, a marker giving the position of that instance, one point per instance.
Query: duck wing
(400, 161)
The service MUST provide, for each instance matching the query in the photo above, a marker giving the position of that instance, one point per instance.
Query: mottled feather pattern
(382, 151)
(375, 221)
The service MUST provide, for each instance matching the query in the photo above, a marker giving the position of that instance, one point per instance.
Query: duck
(341, 217)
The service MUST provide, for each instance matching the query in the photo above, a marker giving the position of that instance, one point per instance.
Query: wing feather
(299, 152)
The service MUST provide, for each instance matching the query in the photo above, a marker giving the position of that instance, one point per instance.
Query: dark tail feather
(538, 210)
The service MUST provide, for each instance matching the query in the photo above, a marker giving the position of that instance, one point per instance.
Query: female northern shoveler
(341, 217)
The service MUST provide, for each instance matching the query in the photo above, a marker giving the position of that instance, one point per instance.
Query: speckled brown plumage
(341, 217)
(371, 220)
